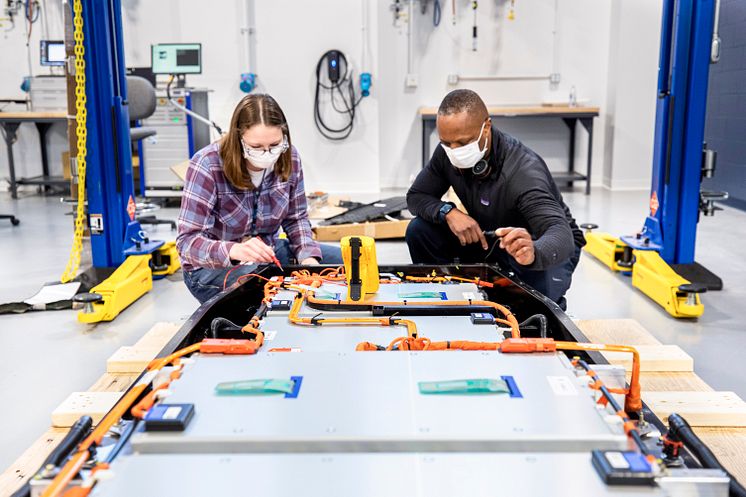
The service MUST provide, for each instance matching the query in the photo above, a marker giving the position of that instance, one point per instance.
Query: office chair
(141, 103)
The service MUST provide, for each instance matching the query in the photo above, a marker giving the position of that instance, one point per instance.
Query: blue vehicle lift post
(120, 248)
(661, 256)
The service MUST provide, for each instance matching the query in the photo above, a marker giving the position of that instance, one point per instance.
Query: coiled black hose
(537, 320)
(680, 431)
(220, 325)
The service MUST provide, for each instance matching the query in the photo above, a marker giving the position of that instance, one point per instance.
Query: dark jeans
(431, 243)
(205, 283)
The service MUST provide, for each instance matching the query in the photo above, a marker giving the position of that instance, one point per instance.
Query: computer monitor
(52, 53)
(176, 58)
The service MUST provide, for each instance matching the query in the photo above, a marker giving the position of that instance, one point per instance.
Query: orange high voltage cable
(294, 318)
(632, 401)
(422, 343)
(314, 280)
(76, 462)
(633, 398)
(441, 279)
(509, 320)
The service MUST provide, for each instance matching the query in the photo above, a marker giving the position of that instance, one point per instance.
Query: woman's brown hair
(253, 109)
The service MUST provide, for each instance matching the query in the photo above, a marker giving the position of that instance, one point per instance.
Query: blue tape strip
(513, 387)
(297, 380)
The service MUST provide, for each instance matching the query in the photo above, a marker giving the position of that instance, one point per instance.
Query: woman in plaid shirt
(239, 192)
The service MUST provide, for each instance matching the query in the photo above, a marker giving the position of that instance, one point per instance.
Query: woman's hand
(309, 261)
(252, 250)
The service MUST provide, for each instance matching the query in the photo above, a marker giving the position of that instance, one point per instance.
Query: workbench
(569, 115)
(9, 122)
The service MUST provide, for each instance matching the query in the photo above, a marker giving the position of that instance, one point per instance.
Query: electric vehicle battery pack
(346, 400)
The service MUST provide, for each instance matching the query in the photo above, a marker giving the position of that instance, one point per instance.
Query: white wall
(13, 68)
(507, 48)
(633, 77)
(384, 150)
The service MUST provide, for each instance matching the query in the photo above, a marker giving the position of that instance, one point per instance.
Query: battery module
(623, 468)
(168, 417)
(281, 305)
(482, 318)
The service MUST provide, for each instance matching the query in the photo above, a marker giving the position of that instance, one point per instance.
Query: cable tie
(315, 319)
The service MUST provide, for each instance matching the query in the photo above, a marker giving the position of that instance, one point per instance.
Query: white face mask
(467, 156)
(264, 159)
(264, 162)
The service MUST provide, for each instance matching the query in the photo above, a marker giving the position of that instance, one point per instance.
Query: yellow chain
(81, 117)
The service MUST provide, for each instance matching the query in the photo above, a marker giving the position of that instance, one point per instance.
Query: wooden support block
(672, 382)
(699, 408)
(134, 359)
(77, 404)
(729, 445)
(654, 358)
(158, 336)
(616, 331)
(130, 360)
(113, 383)
(26, 465)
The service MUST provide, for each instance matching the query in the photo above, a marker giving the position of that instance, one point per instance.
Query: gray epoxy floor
(45, 356)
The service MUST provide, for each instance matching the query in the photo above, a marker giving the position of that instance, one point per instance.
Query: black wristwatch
(444, 210)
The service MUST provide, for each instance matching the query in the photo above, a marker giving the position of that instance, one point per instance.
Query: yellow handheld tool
(361, 266)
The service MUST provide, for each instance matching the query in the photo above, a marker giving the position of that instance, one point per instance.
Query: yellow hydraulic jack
(650, 273)
(131, 280)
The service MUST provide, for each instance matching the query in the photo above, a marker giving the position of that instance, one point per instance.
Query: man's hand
(252, 250)
(518, 243)
(309, 261)
(465, 228)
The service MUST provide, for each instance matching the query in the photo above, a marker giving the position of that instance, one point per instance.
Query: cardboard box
(327, 209)
(381, 230)
(66, 165)
(180, 169)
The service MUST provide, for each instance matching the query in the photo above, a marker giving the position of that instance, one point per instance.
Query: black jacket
(519, 192)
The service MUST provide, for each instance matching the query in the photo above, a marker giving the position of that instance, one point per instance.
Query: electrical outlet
(411, 81)
(453, 79)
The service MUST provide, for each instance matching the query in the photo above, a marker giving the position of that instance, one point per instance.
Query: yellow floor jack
(146, 261)
(650, 273)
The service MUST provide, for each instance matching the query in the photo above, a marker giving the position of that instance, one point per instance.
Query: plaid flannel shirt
(215, 215)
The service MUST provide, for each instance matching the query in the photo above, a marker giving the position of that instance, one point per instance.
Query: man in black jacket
(506, 189)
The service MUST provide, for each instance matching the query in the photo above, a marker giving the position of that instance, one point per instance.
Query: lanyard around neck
(257, 193)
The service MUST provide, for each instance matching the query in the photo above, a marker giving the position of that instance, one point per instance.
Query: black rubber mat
(369, 212)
